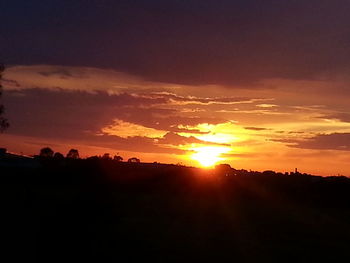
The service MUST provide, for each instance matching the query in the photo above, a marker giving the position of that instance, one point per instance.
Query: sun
(208, 156)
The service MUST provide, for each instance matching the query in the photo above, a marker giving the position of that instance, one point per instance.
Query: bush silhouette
(46, 152)
(133, 160)
(106, 156)
(117, 158)
(73, 154)
(3, 122)
(58, 156)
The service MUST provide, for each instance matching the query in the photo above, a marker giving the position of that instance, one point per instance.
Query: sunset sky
(261, 85)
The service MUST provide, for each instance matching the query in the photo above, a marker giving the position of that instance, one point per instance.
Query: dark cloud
(11, 82)
(256, 128)
(59, 113)
(334, 141)
(193, 42)
(133, 144)
(63, 73)
(62, 113)
(49, 112)
(78, 116)
(341, 116)
(176, 139)
(296, 132)
(177, 99)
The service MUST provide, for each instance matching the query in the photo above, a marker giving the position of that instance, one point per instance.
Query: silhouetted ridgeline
(67, 209)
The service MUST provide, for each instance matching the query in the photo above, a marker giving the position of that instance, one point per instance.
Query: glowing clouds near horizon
(203, 143)
(275, 124)
(126, 129)
(222, 133)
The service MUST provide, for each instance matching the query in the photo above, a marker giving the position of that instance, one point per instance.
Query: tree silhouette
(3, 152)
(95, 158)
(73, 154)
(117, 158)
(3, 122)
(46, 152)
(58, 156)
(133, 160)
(106, 157)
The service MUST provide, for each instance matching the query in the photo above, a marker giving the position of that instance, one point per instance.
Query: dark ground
(103, 211)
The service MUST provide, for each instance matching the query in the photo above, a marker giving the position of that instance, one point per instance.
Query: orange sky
(275, 124)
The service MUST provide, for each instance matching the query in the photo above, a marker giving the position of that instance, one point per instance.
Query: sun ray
(208, 156)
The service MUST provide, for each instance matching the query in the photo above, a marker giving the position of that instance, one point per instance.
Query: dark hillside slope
(118, 212)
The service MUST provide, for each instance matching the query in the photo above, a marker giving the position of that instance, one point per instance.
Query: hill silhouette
(103, 210)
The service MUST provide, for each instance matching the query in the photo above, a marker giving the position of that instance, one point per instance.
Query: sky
(261, 85)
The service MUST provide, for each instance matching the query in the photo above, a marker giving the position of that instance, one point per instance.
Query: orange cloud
(126, 129)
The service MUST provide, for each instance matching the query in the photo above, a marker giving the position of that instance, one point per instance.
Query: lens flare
(208, 156)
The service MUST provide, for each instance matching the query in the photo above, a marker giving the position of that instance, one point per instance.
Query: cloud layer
(186, 42)
(100, 110)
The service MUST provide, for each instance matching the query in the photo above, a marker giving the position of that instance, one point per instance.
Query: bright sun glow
(208, 156)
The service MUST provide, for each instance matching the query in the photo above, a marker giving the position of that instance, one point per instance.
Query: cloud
(264, 105)
(75, 78)
(91, 110)
(92, 80)
(126, 129)
(62, 73)
(135, 144)
(334, 141)
(10, 83)
(256, 128)
(340, 116)
(100, 109)
(100, 118)
(182, 100)
(188, 42)
(176, 139)
(62, 113)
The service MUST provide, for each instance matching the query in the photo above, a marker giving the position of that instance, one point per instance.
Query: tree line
(4, 124)
(48, 153)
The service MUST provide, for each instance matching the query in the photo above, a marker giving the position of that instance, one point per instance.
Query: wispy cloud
(333, 141)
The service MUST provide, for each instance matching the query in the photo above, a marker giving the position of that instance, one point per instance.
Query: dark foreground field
(108, 212)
